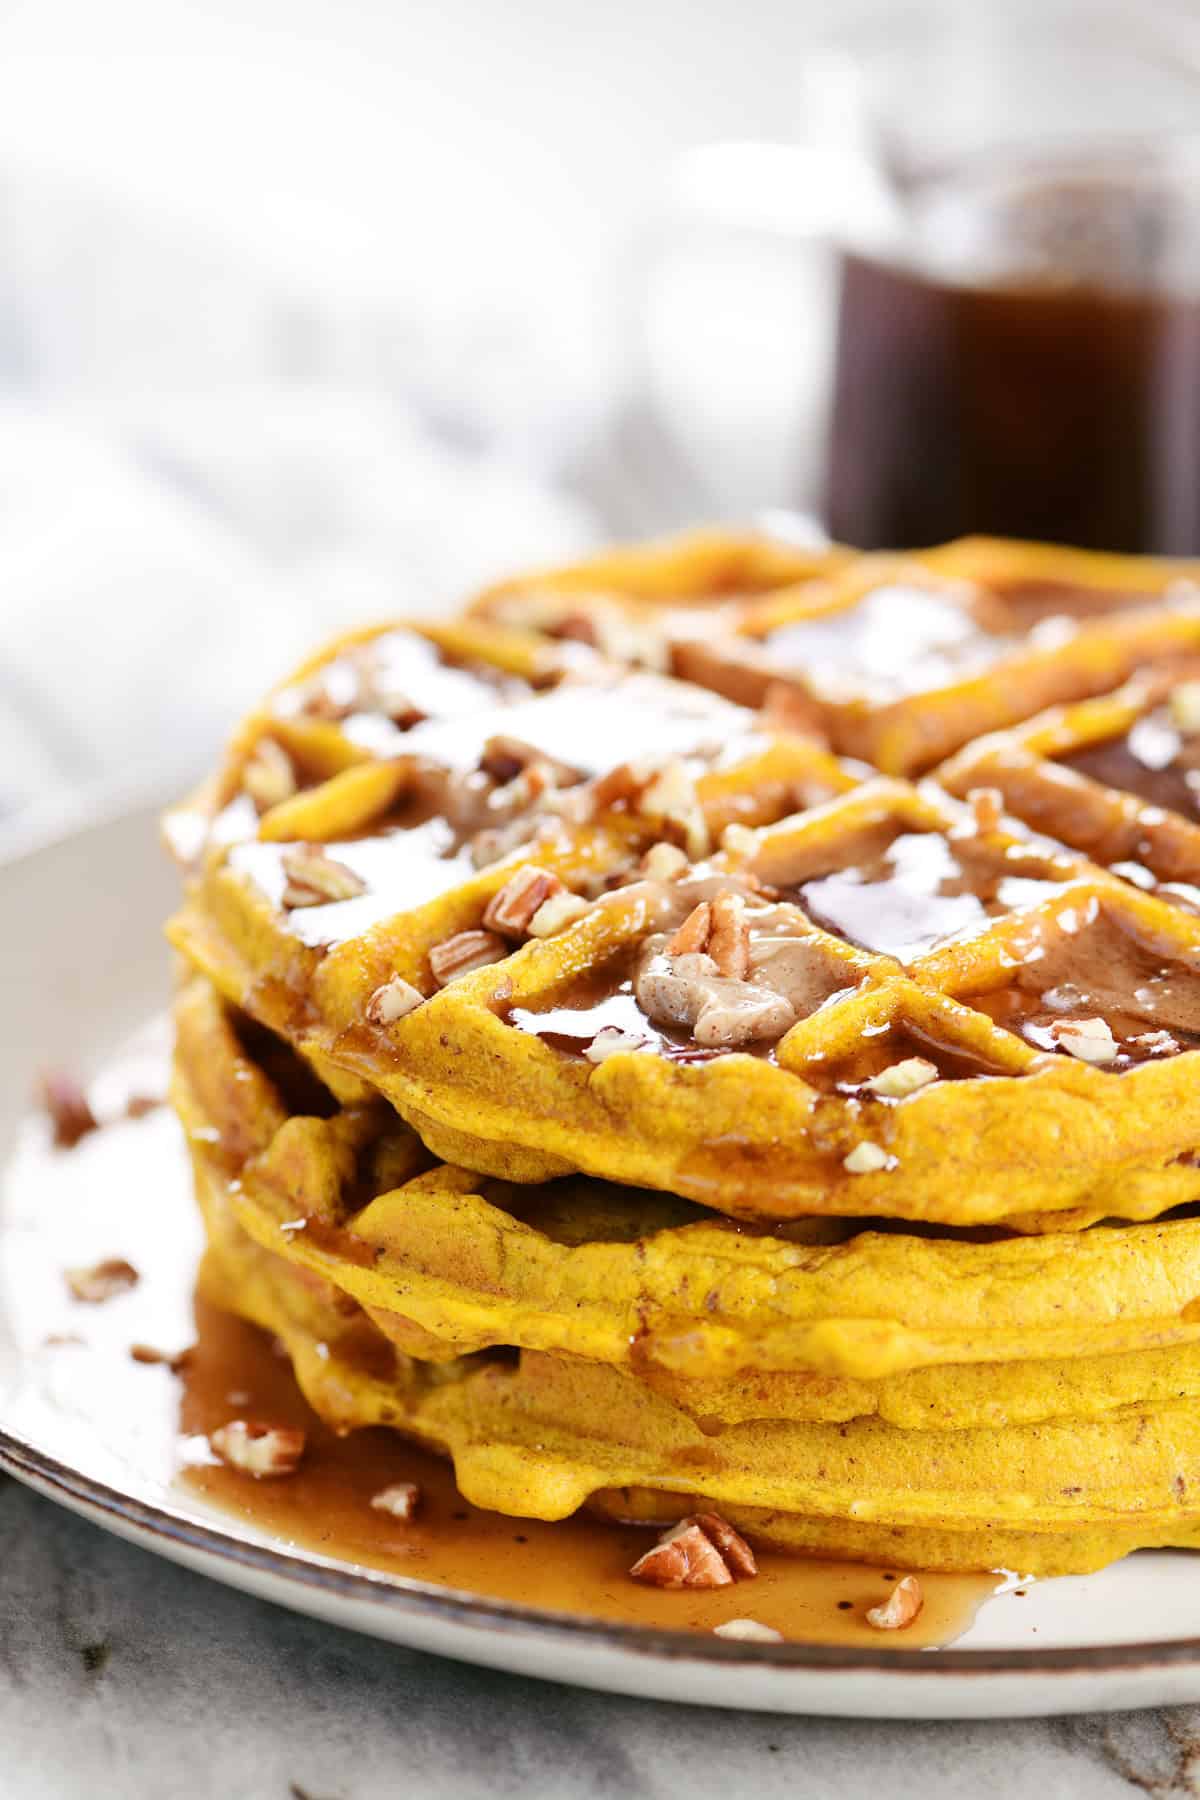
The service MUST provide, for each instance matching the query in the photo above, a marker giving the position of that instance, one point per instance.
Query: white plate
(82, 966)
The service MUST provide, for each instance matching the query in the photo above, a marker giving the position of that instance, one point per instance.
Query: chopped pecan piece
(375, 696)
(688, 1560)
(693, 935)
(640, 642)
(525, 789)
(702, 980)
(138, 1106)
(611, 1040)
(175, 1360)
(718, 929)
(465, 952)
(495, 841)
(738, 1555)
(344, 686)
(748, 1631)
(268, 776)
(702, 1551)
(672, 796)
(629, 640)
(355, 683)
(1091, 1040)
(402, 1500)
(578, 628)
(729, 938)
(663, 862)
(512, 907)
(900, 1608)
(104, 1281)
(259, 1450)
(401, 711)
(1184, 707)
(903, 1078)
(555, 914)
(621, 785)
(315, 879)
(739, 840)
(505, 759)
(866, 1159)
(68, 1108)
(394, 1000)
(658, 791)
(615, 634)
(333, 696)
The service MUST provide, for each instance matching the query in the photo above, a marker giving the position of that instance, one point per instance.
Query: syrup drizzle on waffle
(874, 915)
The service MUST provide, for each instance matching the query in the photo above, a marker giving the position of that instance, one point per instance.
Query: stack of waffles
(711, 1030)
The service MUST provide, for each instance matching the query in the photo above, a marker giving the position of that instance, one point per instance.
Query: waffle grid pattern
(651, 1020)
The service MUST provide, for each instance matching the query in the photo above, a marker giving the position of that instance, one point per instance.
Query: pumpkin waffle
(897, 660)
(1117, 777)
(931, 1399)
(888, 1004)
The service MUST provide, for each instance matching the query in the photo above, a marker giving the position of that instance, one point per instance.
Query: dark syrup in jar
(1030, 367)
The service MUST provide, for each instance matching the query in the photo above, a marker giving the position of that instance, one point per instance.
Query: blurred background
(317, 310)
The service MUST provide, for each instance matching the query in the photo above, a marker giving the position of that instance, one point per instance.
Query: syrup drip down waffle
(932, 1400)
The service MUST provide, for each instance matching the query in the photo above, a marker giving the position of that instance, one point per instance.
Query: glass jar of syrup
(963, 297)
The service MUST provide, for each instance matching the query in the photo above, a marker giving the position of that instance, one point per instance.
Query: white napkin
(154, 582)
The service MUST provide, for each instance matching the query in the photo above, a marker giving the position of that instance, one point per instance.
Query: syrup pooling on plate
(142, 1426)
(578, 1566)
(923, 888)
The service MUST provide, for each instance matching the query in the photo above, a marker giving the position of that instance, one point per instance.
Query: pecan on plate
(103, 1281)
(702, 1551)
(258, 1450)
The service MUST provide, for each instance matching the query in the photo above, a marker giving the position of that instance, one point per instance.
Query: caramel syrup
(577, 1565)
(91, 1403)
(896, 640)
(1152, 760)
(921, 891)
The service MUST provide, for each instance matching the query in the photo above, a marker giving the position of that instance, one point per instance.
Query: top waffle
(566, 915)
(895, 659)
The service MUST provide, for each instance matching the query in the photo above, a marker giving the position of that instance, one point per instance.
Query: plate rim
(462, 1607)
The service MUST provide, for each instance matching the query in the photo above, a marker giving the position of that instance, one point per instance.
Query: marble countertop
(122, 1675)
